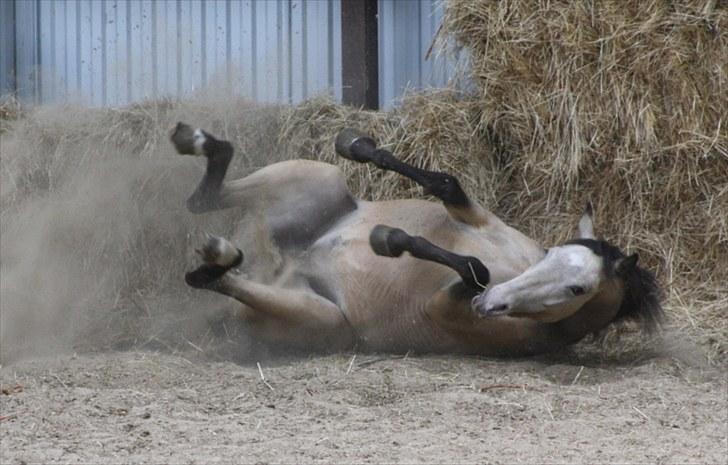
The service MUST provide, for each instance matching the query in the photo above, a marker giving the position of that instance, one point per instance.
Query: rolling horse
(410, 274)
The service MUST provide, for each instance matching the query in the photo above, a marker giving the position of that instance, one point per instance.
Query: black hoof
(183, 139)
(205, 275)
(386, 241)
(477, 275)
(354, 145)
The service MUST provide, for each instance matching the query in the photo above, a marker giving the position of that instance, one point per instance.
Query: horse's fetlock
(204, 276)
(447, 188)
(381, 159)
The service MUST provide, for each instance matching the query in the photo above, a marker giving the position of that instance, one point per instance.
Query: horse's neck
(595, 315)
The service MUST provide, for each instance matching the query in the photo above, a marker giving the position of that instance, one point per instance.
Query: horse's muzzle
(484, 309)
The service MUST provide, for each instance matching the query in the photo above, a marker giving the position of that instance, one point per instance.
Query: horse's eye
(576, 290)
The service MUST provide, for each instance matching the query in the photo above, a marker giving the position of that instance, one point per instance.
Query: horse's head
(582, 272)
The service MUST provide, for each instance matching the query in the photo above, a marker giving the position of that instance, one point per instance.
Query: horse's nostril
(497, 308)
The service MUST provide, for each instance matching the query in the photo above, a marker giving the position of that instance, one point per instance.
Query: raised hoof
(382, 243)
(478, 274)
(219, 256)
(354, 145)
(219, 251)
(183, 138)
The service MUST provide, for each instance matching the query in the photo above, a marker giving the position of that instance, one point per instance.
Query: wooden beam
(360, 53)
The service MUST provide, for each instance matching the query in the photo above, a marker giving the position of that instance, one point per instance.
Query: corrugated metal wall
(406, 32)
(113, 52)
(7, 47)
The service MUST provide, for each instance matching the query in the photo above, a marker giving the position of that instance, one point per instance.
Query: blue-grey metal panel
(113, 52)
(26, 56)
(406, 32)
(7, 48)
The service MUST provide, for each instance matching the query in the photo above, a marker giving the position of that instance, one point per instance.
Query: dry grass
(625, 103)
(10, 110)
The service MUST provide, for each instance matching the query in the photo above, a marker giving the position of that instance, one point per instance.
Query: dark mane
(642, 292)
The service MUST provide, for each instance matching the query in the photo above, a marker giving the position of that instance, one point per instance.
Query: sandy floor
(147, 407)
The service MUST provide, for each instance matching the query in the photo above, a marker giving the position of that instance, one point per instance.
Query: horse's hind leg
(353, 145)
(300, 313)
(299, 198)
(190, 141)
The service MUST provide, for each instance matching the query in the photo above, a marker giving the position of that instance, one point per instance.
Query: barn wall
(406, 32)
(7, 47)
(113, 52)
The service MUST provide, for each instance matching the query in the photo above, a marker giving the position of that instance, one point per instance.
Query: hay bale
(10, 110)
(435, 129)
(624, 103)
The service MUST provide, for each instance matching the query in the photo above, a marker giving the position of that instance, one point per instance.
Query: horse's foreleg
(392, 242)
(353, 145)
(296, 307)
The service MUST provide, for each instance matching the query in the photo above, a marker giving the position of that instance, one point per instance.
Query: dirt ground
(152, 407)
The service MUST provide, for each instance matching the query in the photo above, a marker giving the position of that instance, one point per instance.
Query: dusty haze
(95, 234)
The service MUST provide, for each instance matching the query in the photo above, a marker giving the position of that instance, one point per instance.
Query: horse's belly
(384, 298)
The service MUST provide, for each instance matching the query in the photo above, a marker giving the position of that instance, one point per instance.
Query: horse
(405, 275)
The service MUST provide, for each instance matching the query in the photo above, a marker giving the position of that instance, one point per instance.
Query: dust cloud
(94, 234)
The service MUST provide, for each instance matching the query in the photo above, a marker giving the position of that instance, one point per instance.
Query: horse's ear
(626, 264)
(586, 223)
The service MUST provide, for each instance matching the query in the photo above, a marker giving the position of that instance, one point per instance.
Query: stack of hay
(624, 103)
